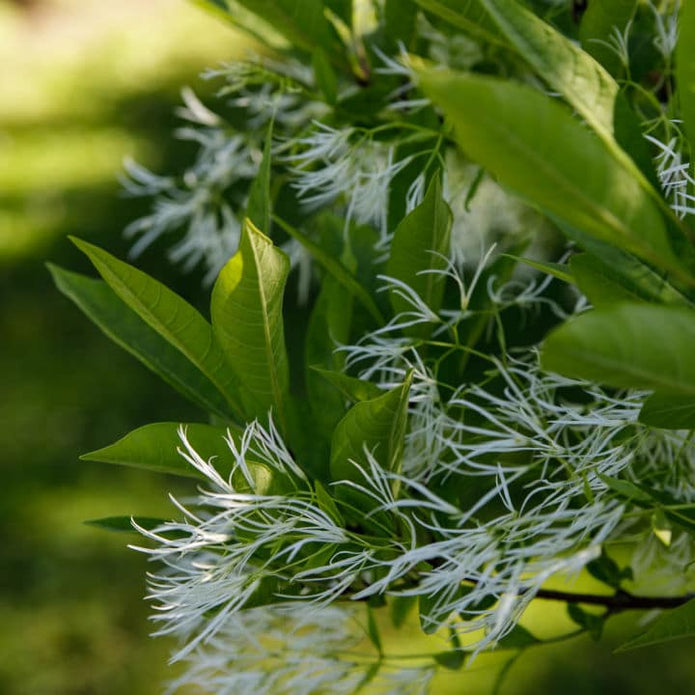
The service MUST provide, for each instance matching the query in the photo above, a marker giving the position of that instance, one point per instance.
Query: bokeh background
(83, 84)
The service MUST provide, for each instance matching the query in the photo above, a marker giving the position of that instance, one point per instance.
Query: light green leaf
(336, 269)
(628, 345)
(534, 145)
(685, 69)
(246, 309)
(601, 22)
(156, 447)
(101, 304)
(377, 425)
(562, 64)
(669, 411)
(421, 245)
(670, 625)
(173, 318)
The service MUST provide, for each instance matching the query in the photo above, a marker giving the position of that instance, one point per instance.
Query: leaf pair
(235, 366)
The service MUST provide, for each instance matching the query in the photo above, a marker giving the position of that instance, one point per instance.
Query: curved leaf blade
(246, 310)
(534, 146)
(155, 447)
(377, 425)
(677, 623)
(101, 304)
(420, 246)
(627, 345)
(180, 324)
(669, 411)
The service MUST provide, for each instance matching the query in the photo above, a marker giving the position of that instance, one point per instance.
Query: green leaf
(353, 389)
(156, 447)
(173, 318)
(400, 20)
(468, 15)
(627, 490)
(401, 607)
(329, 326)
(258, 208)
(605, 570)
(373, 631)
(101, 304)
(336, 269)
(628, 345)
(377, 425)
(246, 310)
(685, 69)
(518, 638)
(452, 659)
(592, 623)
(557, 270)
(536, 147)
(620, 277)
(601, 22)
(124, 524)
(669, 411)
(677, 623)
(234, 13)
(561, 63)
(325, 76)
(302, 23)
(420, 246)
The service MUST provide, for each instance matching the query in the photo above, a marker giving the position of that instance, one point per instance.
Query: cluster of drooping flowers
(503, 484)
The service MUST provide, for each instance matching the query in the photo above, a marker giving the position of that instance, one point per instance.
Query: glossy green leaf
(377, 425)
(181, 325)
(669, 411)
(101, 304)
(420, 246)
(674, 624)
(157, 447)
(685, 69)
(600, 23)
(337, 269)
(246, 310)
(628, 345)
(534, 145)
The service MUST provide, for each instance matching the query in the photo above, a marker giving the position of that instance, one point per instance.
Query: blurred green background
(83, 84)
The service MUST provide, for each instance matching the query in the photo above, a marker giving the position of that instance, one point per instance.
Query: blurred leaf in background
(83, 85)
